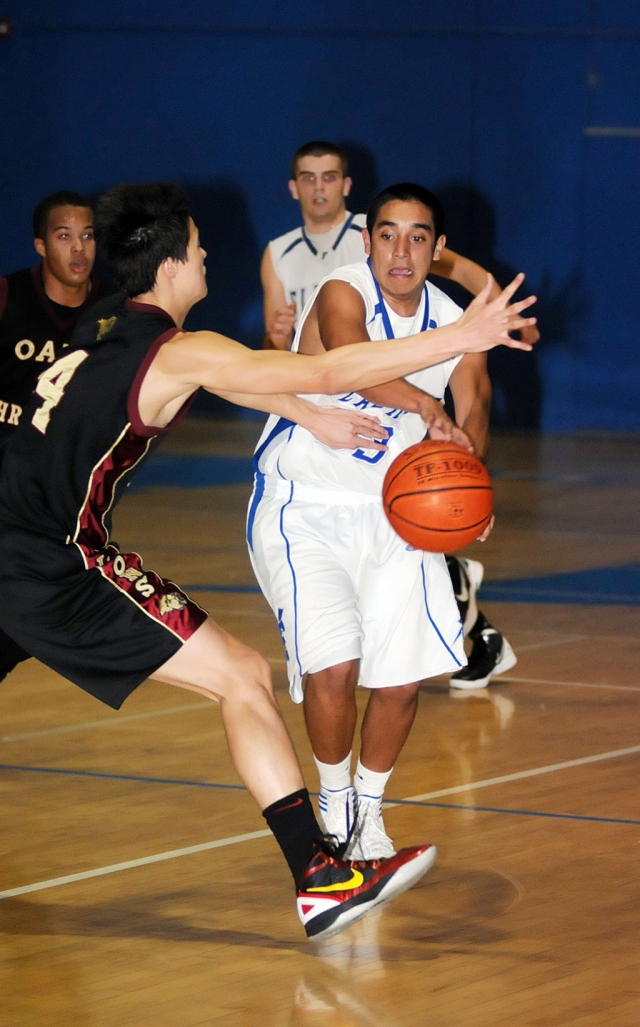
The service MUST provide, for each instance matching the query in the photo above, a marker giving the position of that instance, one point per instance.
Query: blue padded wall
(526, 117)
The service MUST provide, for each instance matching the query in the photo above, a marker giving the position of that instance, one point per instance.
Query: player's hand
(487, 323)
(487, 531)
(344, 428)
(441, 428)
(281, 325)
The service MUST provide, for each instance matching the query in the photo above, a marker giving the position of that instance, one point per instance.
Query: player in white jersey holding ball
(293, 265)
(354, 603)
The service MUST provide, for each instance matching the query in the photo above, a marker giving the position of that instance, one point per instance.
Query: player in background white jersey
(293, 265)
(354, 603)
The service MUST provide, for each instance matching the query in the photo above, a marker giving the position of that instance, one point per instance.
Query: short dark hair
(407, 191)
(318, 148)
(63, 198)
(137, 227)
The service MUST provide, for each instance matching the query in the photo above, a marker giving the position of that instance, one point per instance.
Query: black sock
(295, 827)
(479, 626)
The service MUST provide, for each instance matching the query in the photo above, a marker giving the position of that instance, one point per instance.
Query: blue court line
(119, 777)
(241, 788)
(517, 812)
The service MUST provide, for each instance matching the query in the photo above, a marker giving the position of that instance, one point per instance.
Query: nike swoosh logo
(356, 880)
(292, 805)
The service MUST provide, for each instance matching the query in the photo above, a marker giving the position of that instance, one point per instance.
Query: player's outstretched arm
(219, 364)
(339, 428)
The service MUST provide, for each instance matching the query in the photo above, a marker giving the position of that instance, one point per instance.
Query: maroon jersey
(81, 437)
(33, 331)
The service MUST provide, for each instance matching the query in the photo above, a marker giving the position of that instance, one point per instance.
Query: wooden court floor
(177, 909)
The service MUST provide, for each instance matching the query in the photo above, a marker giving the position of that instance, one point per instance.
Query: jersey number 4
(52, 383)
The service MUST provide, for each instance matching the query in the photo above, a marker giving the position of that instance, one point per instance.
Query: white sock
(334, 777)
(369, 783)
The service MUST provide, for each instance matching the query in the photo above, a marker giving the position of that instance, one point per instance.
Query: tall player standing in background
(292, 266)
(39, 308)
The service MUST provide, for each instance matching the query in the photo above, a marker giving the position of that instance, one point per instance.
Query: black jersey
(81, 436)
(33, 330)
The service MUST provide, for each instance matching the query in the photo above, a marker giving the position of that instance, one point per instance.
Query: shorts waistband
(282, 488)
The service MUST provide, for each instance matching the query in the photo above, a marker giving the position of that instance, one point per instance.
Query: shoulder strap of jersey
(381, 307)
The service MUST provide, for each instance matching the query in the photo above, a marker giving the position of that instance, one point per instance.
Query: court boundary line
(124, 719)
(568, 684)
(412, 800)
(103, 722)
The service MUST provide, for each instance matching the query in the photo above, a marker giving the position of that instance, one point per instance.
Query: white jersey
(288, 451)
(302, 259)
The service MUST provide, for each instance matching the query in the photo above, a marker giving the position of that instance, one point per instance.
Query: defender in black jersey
(95, 614)
(39, 308)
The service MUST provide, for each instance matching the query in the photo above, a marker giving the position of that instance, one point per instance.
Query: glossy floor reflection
(529, 789)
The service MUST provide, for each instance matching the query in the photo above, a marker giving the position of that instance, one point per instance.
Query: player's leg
(303, 555)
(217, 665)
(412, 631)
(491, 653)
(331, 893)
(330, 714)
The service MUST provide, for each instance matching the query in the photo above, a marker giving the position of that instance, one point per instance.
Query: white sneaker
(370, 840)
(337, 813)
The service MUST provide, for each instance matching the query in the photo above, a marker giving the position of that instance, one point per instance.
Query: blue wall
(521, 114)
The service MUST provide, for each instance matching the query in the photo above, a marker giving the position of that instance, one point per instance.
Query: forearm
(284, 405)
(354, 367)
(465, 272)
(476, 426)
(402, 395)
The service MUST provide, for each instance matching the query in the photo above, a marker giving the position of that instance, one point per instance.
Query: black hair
(407, 191)
(137, 227)
(63, 198)
(318, 148)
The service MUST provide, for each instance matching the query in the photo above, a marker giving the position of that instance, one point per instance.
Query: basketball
(437, 496)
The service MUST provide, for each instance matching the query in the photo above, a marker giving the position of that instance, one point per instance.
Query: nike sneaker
(491, 654)
(370, 839)
(466, 577)
(337, 813)
(334, 892)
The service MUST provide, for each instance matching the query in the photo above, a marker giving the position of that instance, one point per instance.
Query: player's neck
(165, 299)
(320, 225)
(65, 295)
(405, 305)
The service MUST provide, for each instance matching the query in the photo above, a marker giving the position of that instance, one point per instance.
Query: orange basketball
(437, 496)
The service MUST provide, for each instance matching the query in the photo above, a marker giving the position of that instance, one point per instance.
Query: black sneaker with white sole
(491, 654)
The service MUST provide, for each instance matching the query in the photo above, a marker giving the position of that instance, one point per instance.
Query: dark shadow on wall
(471, 230)
(363, 171)
(233, 303)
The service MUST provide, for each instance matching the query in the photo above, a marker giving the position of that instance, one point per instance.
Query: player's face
(402, 247)
(320, 187)
(68, 249)
(193, 273)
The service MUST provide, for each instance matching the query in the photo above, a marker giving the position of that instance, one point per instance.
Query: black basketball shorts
(97, 618)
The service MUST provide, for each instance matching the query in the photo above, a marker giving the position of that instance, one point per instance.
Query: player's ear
(441, 242)
(169, 267)
(293, 188)
(41, 249)
(346, 188)
(366, 238)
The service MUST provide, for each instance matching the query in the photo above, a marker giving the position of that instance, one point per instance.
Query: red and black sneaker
(335, 892)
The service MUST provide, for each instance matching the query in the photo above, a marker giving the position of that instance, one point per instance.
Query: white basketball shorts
(344, 586)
